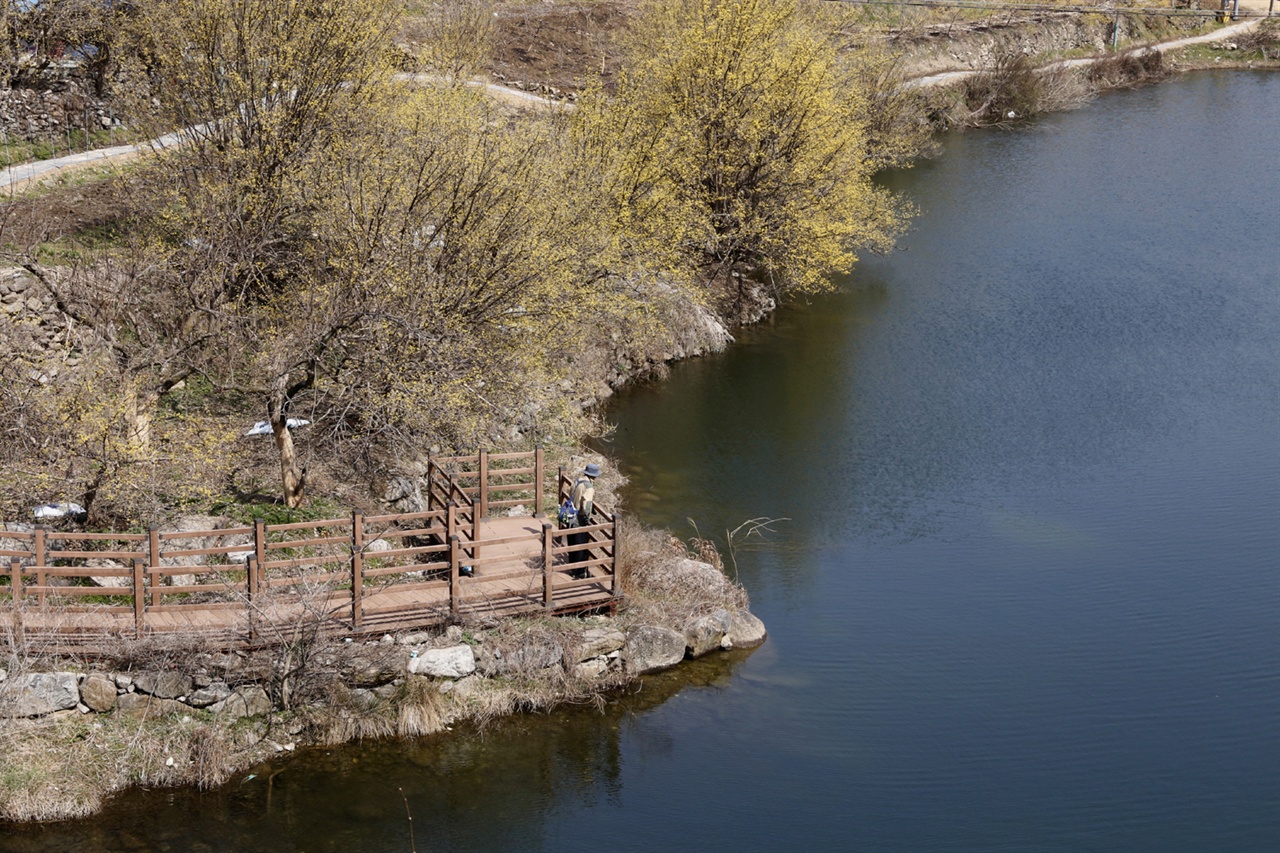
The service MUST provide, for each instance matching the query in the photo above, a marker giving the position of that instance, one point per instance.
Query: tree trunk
(293, 478)
(138, 418)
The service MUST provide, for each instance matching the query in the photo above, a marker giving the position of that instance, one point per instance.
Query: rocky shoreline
(75, 731)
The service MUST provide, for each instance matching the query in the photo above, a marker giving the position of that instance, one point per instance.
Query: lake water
(1023, 591)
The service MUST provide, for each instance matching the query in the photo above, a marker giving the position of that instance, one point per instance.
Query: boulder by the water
(244, 702)
(705, 633)
(651, 648)
(746, 631)
(451, 662)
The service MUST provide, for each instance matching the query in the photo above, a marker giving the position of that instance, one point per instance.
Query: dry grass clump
(422, 709)
(664, 582)
(64, 766)
(351, 720)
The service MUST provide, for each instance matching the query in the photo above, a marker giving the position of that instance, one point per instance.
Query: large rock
(591, 669)
(703, 634)
(206, 696)
(650, 648)
(163, 685)
(535, 654)
(706, 575)
(404, 494)
(450, 662)
(98, 692)
(10, 544)
(372, 665)
(244, 702)
(108, 581)
(145, 707)
(600, 641)
(38, 693)
(745, 631)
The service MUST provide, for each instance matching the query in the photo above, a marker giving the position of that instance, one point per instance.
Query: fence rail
(355, 574)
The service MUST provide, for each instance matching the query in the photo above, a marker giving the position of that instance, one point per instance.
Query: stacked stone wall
(48, 112)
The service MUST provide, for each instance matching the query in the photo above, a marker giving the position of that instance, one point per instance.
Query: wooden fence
(355, 574)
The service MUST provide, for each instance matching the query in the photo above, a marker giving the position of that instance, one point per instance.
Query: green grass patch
(277, 513)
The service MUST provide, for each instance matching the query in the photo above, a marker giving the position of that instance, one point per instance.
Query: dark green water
(1027, 597)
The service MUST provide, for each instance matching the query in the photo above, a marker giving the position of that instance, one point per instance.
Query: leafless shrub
(1264, 38)
(1127, 70)
(1014, 90)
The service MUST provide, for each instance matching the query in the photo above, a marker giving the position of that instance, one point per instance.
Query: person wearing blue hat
(583, 499)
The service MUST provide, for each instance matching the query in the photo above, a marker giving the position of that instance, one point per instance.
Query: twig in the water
(754, 527)
(412, 846)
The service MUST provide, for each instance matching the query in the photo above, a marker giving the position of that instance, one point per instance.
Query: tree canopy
(410, 266)
(737, 128)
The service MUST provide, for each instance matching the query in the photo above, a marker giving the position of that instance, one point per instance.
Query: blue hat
(592, 470)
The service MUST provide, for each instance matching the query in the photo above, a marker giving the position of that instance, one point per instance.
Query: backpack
(567, 514)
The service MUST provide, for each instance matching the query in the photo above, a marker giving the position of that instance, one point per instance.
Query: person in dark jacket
(583, 499)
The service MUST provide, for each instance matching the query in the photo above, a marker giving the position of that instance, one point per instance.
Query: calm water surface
(1027, 593)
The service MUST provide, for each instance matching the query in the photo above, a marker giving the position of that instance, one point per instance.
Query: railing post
(15, 569)
(560, 492)
(153, 563)
(483, 477)
(15, 581)
(548, 559)
(455, 556)
(451, 521)
(431, 491)
(42, 562)
(357, 570)
(616, 587)
(251, 593)
(139, 599)
(539, 474)
(259, 549)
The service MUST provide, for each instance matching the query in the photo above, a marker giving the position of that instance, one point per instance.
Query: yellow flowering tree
(738, 133)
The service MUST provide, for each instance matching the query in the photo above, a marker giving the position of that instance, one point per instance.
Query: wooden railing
(359, 573)
(490, 480)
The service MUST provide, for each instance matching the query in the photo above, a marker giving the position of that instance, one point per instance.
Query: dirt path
(1227, 32)
(18, 177)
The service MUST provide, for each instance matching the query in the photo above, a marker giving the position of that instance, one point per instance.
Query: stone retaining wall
(44, 115)
(241, 684)
(31, 324)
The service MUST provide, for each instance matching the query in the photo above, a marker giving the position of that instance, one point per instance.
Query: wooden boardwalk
(453, 562)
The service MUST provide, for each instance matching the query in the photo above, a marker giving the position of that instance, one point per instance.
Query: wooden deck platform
(352, 577)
